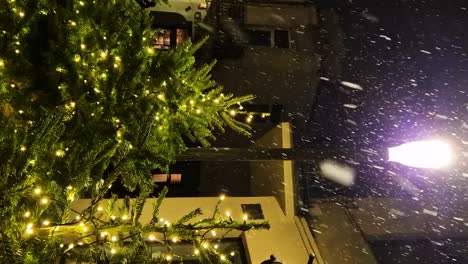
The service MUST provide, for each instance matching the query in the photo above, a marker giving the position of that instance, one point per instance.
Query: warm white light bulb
(222, 197)
(59, 153)
(44, 200)
(151, 237)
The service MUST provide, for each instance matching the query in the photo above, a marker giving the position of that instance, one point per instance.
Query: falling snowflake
(352, 85)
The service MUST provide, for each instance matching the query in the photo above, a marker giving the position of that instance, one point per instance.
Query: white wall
(283, 239)
(275, 178)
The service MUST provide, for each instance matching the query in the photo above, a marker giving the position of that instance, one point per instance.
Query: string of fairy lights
(112, 236)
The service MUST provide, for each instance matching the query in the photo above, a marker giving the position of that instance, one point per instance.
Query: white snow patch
(352, 85)
(464, 174)
(336, 172)
(385, 37)
(458, 219)
(429, 212)
(352, 106)
(425, 51)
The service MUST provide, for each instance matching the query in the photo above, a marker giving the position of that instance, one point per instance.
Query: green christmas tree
(85, 101)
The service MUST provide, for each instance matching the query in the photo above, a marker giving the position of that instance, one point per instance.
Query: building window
(253, 211)
(183, 252)
(232, 248)
(173, 178)
(273, 38)
(169, 38)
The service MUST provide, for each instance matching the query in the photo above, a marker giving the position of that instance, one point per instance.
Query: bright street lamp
(431, 154)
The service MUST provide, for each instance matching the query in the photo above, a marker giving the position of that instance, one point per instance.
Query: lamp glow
(432, 154)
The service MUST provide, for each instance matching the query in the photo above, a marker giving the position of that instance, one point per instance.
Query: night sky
(411, 59)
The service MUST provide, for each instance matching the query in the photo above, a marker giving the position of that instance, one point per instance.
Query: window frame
(272, 31)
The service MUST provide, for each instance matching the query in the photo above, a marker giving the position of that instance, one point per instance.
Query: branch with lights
(249, 115)
(102, 230)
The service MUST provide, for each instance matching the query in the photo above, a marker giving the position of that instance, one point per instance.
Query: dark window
(259, 37)
(281, 39)
(268, 38)
(253, 211)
